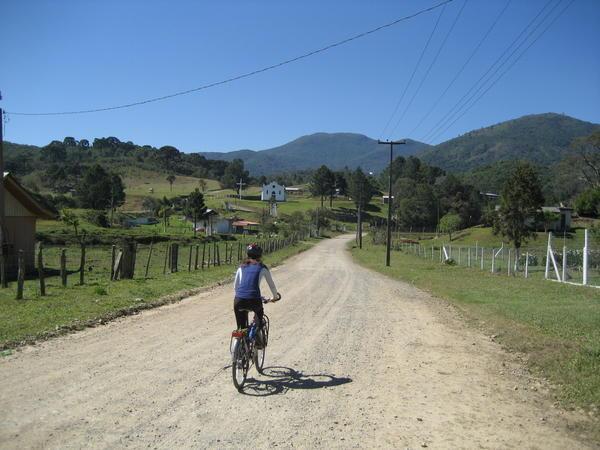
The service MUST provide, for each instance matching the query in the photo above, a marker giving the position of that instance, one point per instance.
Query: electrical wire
(435, 58)
(460, 71)
(510, 67)
(496, 70)
(413, 73)
(523, 31)
(241, 76)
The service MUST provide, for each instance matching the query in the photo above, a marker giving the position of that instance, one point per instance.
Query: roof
(555, 209)
(244, 223)
(25, 198)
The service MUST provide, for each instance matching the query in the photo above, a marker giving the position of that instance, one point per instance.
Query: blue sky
(66, 55)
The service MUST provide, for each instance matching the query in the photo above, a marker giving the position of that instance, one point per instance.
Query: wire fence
(103, 264)
(568, 263)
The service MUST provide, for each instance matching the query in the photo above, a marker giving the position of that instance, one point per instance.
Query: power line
(523, 31)
(511, 65)
(430, 66)
(496, 70)
(244, 75)
(413, 72)
(475, 50)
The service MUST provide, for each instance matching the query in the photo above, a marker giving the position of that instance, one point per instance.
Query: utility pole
(389, 221)
(3, 281)
(241, 186)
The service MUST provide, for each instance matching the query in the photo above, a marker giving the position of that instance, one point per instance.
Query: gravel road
(355, 360)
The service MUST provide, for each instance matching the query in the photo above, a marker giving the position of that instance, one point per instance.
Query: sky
(72, 55)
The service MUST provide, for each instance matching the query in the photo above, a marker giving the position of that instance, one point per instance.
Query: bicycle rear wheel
(239, 365)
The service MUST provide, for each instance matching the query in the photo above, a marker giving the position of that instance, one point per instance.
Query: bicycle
(244, 350)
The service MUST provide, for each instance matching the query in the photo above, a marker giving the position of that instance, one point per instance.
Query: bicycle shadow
(279, 380)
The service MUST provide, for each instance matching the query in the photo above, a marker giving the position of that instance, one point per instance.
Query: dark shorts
(247, 304)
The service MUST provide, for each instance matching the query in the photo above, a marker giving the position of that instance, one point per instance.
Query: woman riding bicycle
(247, 287)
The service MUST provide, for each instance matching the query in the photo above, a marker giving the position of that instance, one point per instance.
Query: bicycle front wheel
(239, 365)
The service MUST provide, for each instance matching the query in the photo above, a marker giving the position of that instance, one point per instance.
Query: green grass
(556, 325)
(73, 307)
(138, 183)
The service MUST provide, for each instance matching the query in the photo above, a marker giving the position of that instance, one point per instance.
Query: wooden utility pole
(3, 280)
(389, 222)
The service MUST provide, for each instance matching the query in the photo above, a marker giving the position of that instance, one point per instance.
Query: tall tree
(99, 188)
(322, 182)
(587, 152)
(171, 179)
(195, 206)
(520, 203)
(233, 173)
(361, 191)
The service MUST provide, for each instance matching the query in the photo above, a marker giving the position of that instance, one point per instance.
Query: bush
(97, 217)
(588, 203)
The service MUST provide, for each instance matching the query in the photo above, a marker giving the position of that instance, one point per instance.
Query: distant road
(355, 360)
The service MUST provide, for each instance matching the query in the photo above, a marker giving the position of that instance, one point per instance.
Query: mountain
(335, 150)
(540, 138)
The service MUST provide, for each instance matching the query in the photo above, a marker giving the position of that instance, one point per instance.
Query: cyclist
(247, 288)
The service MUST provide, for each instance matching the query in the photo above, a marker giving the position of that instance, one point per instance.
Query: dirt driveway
(355, 360)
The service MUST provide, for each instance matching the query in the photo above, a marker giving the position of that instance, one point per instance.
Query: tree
(69, 142)
(84, 143)
(419, 209)
(450, 223)
(588, 158)
(322, 183)
(587, 204)
(520, 202)
(548, 218)
(171, 179)
(99, 189)
(341, 184)
(360, 188)
(233, 173)
(117, 194)
(55, 151)
(202, 184)
(70, 219)
(195, 206)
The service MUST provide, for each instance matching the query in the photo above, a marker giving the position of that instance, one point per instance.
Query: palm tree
(171, 179)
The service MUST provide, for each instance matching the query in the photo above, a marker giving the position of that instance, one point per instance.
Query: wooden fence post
(208, 258)
(167, 252)
(149, 259)
(40, 267)
(196, 258)
(128, 260)
(63, 267)
(174, 263)
(527, 265)
(218, 255)
(113, 255)
(203, 253)
(20, 275)
(482, 257)
(564, 264)
(493, 260)
(3, 279)
(508, 263)
(190, 258)
(82, 265)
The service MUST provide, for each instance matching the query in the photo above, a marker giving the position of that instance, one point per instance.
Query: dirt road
(355, 360)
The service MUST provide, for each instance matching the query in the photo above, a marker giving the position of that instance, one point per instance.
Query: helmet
(254, 251)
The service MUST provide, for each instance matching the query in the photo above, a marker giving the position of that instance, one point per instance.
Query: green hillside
(541, 138)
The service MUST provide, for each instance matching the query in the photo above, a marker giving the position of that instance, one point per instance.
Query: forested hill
(335, 150)
(541, 138)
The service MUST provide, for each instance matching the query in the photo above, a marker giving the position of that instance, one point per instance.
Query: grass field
(556, 325)
(138, 184)
(74, 306)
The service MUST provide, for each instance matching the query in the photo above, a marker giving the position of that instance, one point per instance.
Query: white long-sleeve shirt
(264, 275)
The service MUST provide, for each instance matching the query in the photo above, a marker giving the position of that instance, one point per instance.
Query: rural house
(275, 191)
(21, 212)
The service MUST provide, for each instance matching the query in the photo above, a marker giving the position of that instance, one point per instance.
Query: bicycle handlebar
(271, 300)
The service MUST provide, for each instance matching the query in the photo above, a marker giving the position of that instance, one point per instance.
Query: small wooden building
(21, 211)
